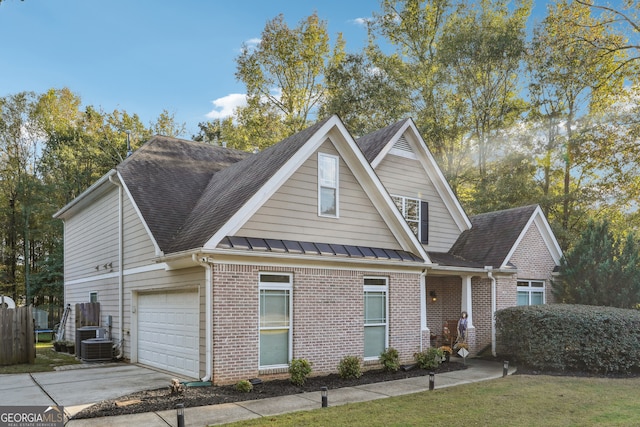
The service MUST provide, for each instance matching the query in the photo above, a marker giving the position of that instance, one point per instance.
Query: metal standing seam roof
(315, 248)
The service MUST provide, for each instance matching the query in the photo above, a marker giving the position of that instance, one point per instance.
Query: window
(415, 212)
(375, 317)
(327, 185)
(93, 296)
(530, 292)
(275, 319)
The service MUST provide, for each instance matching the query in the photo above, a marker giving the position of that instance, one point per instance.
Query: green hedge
(570, 338)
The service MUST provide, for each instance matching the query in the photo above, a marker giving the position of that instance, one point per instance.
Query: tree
(166, 125)
(600, 269)
(18, 151)
(572, 89)
(364, 96)
(283, 74)
(623, 19)
(483, 48)
(414, 30)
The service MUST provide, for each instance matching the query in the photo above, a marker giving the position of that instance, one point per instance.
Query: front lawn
(46, 360)
(518, 400)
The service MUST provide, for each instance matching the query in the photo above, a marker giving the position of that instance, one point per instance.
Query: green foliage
(365, 100)
(390, 359)
(600, 269)
(299, 371)
(573, 338)
(283, 74)
(350, 367)
(244, 386)
(429, 359)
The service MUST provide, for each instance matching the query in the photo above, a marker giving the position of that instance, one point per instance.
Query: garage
(168, 331)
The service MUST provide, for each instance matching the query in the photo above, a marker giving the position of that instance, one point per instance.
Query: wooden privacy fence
(16, 336)
(87, 314)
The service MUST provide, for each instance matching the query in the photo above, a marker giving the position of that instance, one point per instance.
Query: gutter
(423, 303)
(120, 265)
(202, 261)
(489, 270)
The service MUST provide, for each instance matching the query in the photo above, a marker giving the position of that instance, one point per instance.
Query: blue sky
(145, 56)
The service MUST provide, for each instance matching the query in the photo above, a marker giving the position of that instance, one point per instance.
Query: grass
(46, 360)
(518, 400)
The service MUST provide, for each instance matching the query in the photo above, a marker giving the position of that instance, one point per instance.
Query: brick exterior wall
(481, 305)
(327, 318)
(533, 260)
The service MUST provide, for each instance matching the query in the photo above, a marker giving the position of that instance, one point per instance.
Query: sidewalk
(479, 370)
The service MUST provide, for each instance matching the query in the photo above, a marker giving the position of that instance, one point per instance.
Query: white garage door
(168, 331)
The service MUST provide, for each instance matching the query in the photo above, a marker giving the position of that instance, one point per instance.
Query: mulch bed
(162, 399)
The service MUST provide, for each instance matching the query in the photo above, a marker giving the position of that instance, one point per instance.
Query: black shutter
(424, 222)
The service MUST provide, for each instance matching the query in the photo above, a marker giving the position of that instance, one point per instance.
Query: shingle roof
(371, 144)
(229, 189)
(166, 177)
(447, 259)
(492, 236)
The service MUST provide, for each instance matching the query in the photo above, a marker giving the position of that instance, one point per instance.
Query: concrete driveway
(75, 389)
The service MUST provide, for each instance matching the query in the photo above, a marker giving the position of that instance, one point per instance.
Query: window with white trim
(376, 324)
(328, 166)
(275, 319)
(93, 296)
(415, 212)
(530, 292)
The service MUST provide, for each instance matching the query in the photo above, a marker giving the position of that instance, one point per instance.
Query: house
(223, 265)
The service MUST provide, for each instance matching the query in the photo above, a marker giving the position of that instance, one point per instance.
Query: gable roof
(166, 178)
(373, 143)
(191, 195)
(494, 236)
(375, 146)
(231, 188)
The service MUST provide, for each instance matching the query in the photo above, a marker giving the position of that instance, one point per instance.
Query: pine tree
(600, 269)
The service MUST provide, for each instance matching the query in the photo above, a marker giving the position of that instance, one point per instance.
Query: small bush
(390, 359)
(573, 338)
(349, 367)
(429, 359)
(244, 386)
(299, 371)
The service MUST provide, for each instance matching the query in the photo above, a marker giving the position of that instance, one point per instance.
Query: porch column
(424, 329)
(466, 300)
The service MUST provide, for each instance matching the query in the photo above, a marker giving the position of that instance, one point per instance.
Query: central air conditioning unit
(85, 333)
(96, 350)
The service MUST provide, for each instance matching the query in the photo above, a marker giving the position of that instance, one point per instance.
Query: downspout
(120, 267)
(208, 315)
(423, 305)
(493, 309)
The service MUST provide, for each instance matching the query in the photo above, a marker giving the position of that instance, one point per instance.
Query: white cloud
(361, 21)
(225, 106)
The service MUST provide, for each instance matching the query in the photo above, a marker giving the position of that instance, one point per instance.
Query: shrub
(349, 367)
(390, 359)
(244, 386)
(574, 338)
(430, 358)
(299, 371)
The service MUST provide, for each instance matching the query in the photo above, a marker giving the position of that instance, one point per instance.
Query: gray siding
(292, 212)
(138, 249)
(405, 177)
(91, 239)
